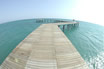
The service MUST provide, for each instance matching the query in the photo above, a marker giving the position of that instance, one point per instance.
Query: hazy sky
(85, 10)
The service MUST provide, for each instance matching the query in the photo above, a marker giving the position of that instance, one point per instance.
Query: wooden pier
(45, 48)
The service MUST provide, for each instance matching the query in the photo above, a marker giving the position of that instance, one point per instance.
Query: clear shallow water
(12, 33)
(88, 39)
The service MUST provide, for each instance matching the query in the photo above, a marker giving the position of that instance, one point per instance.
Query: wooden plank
(45, 48)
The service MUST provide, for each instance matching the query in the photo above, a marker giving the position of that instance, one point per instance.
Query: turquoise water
(12, 33)
(88, 39)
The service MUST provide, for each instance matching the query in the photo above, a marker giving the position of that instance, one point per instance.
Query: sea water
(88, 39)
(12, 33)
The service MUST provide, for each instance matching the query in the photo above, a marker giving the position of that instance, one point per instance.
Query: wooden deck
(45, 48)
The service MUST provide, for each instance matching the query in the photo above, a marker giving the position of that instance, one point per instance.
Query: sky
(84, 10)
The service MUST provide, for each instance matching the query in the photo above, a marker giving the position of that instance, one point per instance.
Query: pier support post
(67, 27)
(72, 24)
(59, 26)
(78, 23)
(63, 27)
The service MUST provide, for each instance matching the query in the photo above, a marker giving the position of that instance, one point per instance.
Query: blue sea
(88, 39)
(12, 33)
